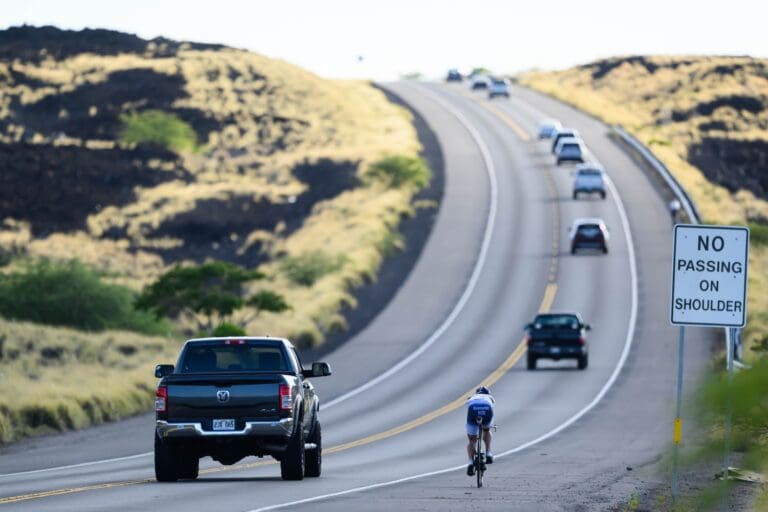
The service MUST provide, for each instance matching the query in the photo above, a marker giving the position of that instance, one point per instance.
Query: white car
(479, 82)
(588, 179)
(548, 128)
(498, 87)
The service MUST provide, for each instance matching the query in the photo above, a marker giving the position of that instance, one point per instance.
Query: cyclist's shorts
(479, 409)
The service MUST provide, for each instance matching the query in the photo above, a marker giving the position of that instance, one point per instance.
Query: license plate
(224, 424)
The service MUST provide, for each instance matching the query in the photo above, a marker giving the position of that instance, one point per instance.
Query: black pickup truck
(228, 398)
(557, 336)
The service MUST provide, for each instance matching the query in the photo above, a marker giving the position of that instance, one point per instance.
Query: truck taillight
(528, 340)
(582, 341)
(286, 399)
(161, 399)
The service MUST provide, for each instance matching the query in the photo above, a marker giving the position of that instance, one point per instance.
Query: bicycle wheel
(479, 460)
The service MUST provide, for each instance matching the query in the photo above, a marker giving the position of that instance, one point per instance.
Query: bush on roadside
(307, 268)
(228, 329)
(398, 171)
(158, 127)
(70, 294)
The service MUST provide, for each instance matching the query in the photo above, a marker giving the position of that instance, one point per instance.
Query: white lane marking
(479, 264)
(554, 431)
(80, 465)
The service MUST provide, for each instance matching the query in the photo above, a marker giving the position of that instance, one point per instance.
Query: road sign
(709, 275)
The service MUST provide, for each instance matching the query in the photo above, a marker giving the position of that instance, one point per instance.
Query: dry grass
(659, 100)
(57, 379)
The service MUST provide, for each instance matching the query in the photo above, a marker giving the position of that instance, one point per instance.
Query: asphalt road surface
(393, 413)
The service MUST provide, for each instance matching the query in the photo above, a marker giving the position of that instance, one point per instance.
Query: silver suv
(588, 179)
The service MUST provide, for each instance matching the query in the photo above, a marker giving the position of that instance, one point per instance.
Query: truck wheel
(165, 459)
(189, 467)
(292, 463)
(602, 194)
(583, 361)
(531, 362)
(314, 458)
(575, 195)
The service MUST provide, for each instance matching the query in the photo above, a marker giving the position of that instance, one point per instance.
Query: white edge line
(479, 264)
(554, 431)
(71, 466)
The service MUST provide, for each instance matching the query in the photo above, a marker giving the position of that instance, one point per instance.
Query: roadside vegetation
(158, 127)
(706, 118)
(223, 161)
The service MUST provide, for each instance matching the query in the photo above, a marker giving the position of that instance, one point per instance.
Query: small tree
(205, 292)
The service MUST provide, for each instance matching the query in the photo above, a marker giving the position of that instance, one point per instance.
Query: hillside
(706, 118)
(278, 161)
(132, 156)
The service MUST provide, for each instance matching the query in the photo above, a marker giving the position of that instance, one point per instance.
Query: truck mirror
(162, 370)
(321, 369)
(587, 327)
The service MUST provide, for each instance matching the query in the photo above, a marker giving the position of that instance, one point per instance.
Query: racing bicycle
(479, 461)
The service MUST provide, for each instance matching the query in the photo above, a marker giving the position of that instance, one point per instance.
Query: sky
(384, 39)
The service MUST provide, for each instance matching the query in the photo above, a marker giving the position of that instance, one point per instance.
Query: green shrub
(71, 294)
(158, 127)
(397, 171)
(307, 268)
(228, 329)
(758, 233)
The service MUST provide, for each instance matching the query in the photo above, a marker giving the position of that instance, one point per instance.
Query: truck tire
(583, 362)
(292, 463)
(189, 466)
(531, 362)
(314, 458)
(165, 462)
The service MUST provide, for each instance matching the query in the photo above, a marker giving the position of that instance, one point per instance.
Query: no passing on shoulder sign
(709, 275)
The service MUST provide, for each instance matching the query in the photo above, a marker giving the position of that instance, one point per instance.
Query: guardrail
(687, 203)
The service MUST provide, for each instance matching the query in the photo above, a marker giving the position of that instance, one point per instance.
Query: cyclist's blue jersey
(479, 405)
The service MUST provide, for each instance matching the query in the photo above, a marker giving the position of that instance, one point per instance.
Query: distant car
(589, 179)
(561, 133)
(570, 150)
(498, 87)
(454, 76)
(479, 83)
(557, 336)
(589, 234)
(548, 128)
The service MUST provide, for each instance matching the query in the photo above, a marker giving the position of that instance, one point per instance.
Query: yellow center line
(519, 131)
(71, 490)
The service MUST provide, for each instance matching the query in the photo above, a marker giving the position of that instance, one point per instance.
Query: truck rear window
(556, 322)
(232, 358)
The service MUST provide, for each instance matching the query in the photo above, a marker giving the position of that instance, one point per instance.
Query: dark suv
(589, 234)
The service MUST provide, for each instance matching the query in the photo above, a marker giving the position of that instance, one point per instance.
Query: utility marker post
(709, 288)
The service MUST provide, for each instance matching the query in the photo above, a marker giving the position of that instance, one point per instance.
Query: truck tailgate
(234, 397)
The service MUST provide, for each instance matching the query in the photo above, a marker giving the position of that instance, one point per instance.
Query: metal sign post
(731, 354)
(709, 288)
(678, 421)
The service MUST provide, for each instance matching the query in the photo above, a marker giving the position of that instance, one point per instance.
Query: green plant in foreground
(758, 233)
(397, 171)
(307, 268)
(211, 290)
(71, 294)
(158, 127)
(749, 401)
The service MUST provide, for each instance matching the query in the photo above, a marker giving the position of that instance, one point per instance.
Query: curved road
(497, 255)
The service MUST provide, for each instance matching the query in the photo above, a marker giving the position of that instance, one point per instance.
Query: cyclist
(674, 210)
(479, 405)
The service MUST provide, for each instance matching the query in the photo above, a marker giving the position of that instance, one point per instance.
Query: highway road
(393, 417)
